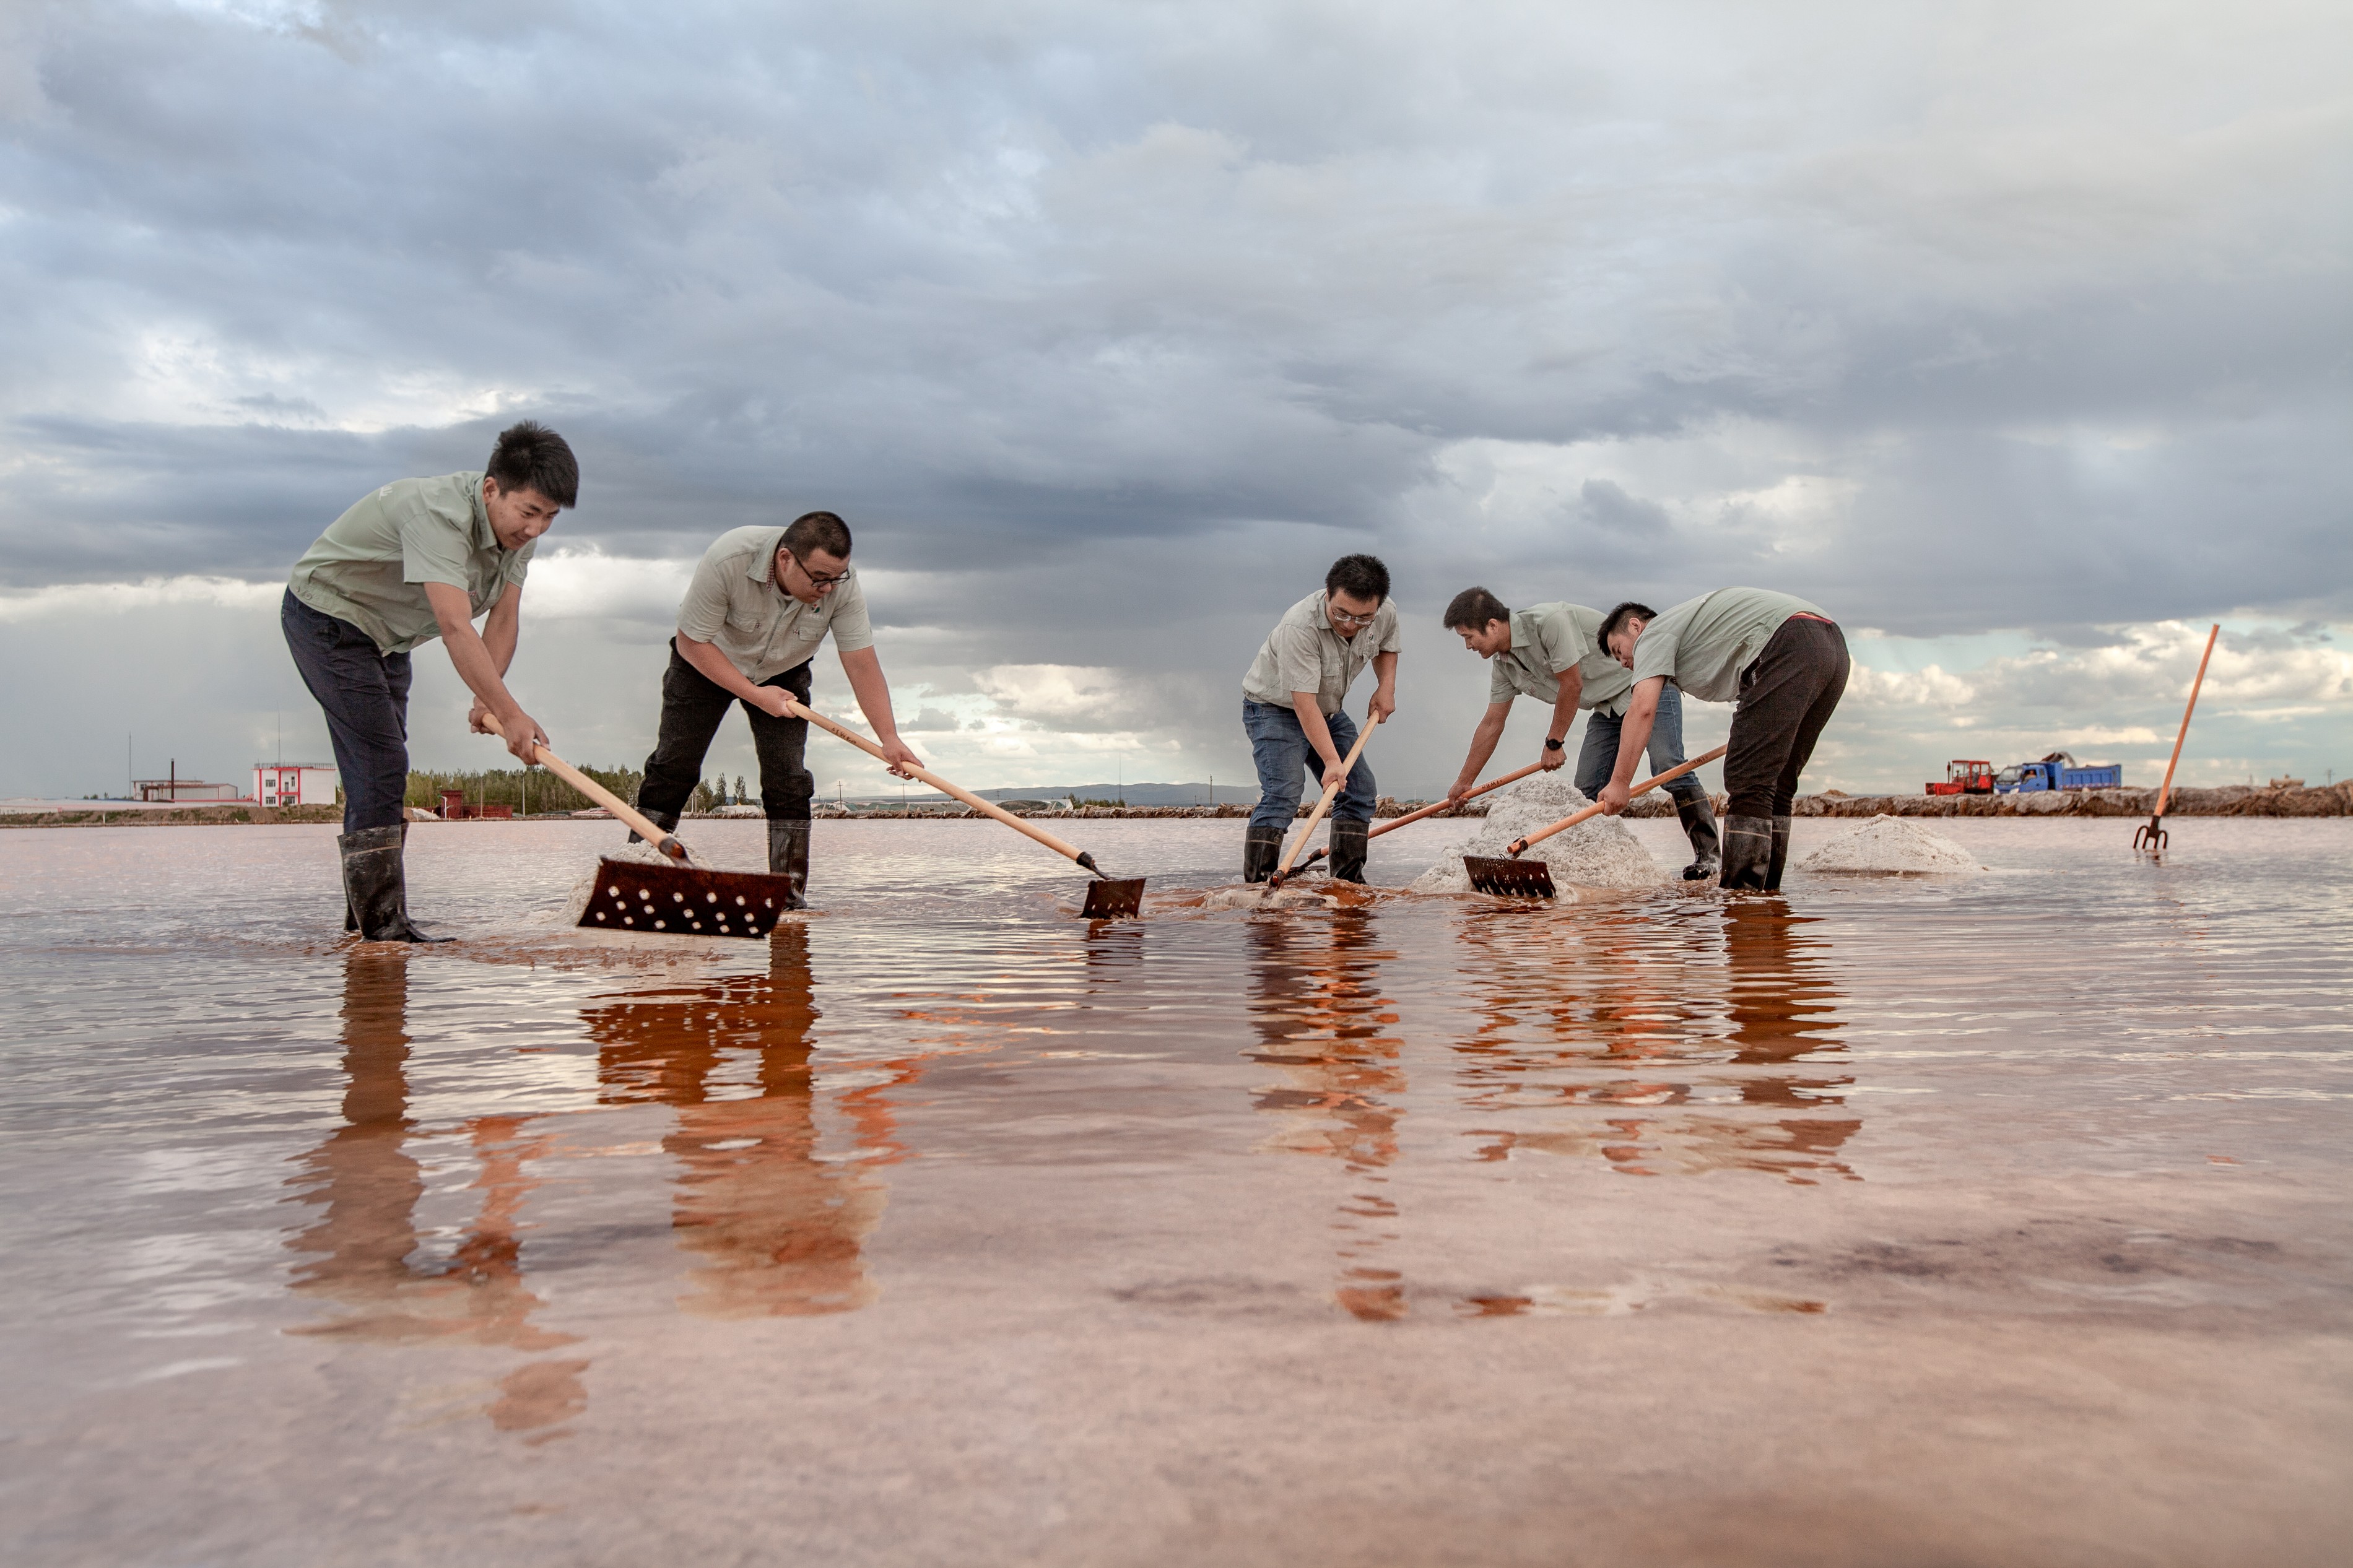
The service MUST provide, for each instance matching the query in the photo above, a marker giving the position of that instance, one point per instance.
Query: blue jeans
(366, 696)
(1280, 748)
(1599, 758)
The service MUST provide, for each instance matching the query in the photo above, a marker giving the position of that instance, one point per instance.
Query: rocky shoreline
(2231, 800)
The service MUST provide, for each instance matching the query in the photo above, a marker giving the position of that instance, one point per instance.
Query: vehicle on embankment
(2058, 770)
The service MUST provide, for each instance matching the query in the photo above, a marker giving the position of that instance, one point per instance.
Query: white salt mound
(1891, 845)
(1602, 853)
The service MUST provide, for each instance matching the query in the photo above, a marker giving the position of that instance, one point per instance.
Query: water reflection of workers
(1782, 1007)
(777, 1229)
(361, 1250)
(1316, 1005)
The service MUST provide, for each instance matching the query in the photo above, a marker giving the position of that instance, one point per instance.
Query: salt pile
(1891, 845)
(1602, 853)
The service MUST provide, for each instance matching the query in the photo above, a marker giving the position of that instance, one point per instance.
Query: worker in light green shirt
(1554, 654)
(415, 560)
(1781, 660)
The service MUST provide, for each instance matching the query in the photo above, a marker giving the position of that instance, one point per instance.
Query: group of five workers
(424, 558)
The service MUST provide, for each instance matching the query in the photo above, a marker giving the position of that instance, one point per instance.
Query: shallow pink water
(996, 1233)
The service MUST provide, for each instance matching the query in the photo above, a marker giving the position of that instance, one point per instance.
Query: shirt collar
(1523, 625)
(763, 570)
(484, 539)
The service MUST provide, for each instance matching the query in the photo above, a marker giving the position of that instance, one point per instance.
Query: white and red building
(293, 784)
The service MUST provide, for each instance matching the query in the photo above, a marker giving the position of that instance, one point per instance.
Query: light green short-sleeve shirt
(1702, 644)
(371, 567)
(1305, 654)
(736, 604)
(1547, 640)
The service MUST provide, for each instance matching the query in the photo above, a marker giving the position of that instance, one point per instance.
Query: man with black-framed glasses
(761, 602)
(1291, 710)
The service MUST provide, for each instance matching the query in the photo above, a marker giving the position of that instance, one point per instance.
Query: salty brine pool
(2000, 1218)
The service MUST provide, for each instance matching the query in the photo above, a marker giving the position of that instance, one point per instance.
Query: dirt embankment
(2231, 800)
(103, 815)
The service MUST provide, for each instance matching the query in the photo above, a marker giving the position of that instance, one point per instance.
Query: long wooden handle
(1673, 774)
(986, 809)
(2165, 792)
(660, 839)
(1395, 823)
(1330, 793)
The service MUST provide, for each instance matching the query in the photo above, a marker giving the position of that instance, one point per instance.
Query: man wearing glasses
(761, 602)
(1291, 709)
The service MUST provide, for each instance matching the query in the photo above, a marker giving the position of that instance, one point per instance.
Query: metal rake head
(1114, 898)
(1510, 878)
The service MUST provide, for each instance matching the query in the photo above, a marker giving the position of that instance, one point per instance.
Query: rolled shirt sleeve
(702, 613)
(851, 628)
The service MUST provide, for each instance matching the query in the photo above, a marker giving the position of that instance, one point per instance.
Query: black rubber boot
(1780, 856)
(1348, 846)
(665, 820)
(1261, 847)
(1747, 853)
(788, 858)
(1699, 826)
(376, 894)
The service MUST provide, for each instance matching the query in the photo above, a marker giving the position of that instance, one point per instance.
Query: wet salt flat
(2000, 1219)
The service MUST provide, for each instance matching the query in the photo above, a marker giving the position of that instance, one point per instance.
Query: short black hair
(1472, 609)
(1362, 577)
(815, 531)
(531, 457)
(1617, 618)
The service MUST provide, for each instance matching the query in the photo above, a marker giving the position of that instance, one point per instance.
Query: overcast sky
(2016, 337)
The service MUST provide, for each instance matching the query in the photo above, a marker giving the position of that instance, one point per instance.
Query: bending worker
(1554, 654)
(1781, 660)
(416, 559)
(761, 602)
(1292, 710)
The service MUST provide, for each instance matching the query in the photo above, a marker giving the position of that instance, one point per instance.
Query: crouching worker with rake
(416, 559)
(1291, 710)
(761, 602)
(1781, 660)
(1554, 654)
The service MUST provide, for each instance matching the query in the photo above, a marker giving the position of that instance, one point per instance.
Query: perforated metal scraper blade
(646, 900)
(1110, 898)
(1510, 878)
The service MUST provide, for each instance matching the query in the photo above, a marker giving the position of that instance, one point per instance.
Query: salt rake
(681, 899)
(1108, 898)
(1332, 787)
(1517, 878)
(2151, 835)
(1394, 824)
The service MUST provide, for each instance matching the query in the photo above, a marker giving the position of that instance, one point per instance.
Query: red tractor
(1965, 777)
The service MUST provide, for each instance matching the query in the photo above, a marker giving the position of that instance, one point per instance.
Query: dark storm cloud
(1079, 306)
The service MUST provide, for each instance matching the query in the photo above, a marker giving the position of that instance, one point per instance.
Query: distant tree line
(543, 791)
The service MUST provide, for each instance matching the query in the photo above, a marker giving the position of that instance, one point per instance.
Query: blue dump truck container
(2057, 771)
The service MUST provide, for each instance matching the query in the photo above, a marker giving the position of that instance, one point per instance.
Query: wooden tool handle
(1331, 791)
(1395, 823)
(1673, 774)
(2165, 791)
(1429, 810)
(986, 809)
(660, 837)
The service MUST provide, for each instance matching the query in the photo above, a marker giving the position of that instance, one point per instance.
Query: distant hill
(1133, 795)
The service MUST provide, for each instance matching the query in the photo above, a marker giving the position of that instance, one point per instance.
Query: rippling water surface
(945, 1223)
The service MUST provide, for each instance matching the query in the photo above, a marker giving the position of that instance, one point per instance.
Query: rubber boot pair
(1699, 826)
(375, 887)
(788, 846)
(1349, 843)
(1756, 849)
(665, 820)
(1261, 849)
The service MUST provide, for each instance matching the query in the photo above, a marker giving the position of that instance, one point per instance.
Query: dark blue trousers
(365, 694)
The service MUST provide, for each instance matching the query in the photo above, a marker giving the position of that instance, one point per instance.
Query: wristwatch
(1553, 745)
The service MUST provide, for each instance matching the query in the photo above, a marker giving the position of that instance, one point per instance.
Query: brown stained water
(1998, 1218)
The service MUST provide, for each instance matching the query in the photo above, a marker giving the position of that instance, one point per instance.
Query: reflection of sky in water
(512, 1160)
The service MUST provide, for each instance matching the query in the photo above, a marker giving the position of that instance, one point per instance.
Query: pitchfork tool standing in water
(2151, 835)
(681, 899)
(1323, 849)
(1518, 879)
(1108, 898)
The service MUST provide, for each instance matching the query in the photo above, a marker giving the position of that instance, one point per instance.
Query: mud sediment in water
(1601, 853)
(1891, 845)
